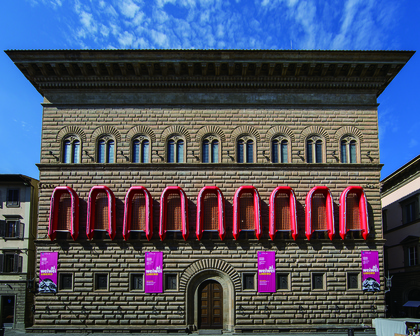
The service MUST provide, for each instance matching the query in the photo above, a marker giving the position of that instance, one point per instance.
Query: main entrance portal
(210, 302)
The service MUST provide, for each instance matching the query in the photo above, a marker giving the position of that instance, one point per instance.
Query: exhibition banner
(48, 272)
(153, 271)
(267, 272)
(370, 271)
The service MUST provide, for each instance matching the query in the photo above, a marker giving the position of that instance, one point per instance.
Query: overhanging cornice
(370, 71)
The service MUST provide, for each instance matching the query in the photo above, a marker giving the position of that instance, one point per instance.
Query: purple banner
(48, 272)
(370, 271)
(154, 275)
(266, 272)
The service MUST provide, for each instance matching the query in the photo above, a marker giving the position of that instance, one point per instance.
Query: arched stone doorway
(197, 277)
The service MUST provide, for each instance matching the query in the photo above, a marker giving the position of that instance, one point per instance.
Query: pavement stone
(13, 332)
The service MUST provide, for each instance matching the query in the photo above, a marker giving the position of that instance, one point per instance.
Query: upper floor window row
(211, 149)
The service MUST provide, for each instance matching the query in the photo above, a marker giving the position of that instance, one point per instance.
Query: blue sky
(208, 24)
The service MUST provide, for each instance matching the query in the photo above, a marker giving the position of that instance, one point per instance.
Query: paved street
(10, 332)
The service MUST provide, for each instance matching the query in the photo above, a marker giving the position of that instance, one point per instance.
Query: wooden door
(8, 310)
(210, 305)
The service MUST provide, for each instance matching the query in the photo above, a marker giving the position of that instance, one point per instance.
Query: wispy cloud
(262, 24)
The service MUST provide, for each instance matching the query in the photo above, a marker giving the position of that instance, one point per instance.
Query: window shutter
(17, 229)
(20, 263)
(2, 228)
(16, 263)
(1, 262)
(20, 227)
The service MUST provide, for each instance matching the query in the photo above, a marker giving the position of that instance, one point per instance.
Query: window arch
(315, 149)
(210, 149)
(106, 149)
(175, 149)
(319, 212)
(210, 211)
(140, 149)
(280, 149)
(283, 215)
(138, 212)
(173, 212)
(101, 212)
(64, 212)
(353, 211)
(349, 151)
(246, 151)
(71, 149)
(246, 211)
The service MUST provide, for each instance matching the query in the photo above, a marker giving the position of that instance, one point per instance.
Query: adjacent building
(18, 218)
(207, 162)
(401, 220)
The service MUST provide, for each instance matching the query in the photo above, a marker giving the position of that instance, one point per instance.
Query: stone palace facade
(209, 156)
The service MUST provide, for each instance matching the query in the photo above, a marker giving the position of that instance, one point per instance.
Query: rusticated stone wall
(299, 306)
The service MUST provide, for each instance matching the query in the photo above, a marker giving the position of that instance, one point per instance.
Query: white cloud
(262, 24)
(128, 8)
(126, 39)
(160, 39)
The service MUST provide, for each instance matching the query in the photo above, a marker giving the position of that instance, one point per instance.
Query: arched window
(245, 151)
(246, 211)
(353, 211)
(175, 150)
(106, 149)
(348, 150)
(283, 215)
(138, 211)
(314, 149)
(101, 211)
(71, 150)
(210, 150)
(64, 212)
(280, 149)
(210, 211)
(140, 151)
(173, 212)
(319, 212)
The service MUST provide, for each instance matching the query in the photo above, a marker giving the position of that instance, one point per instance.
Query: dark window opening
(10, 263)
(66, 281)
(170, 282)
(249, 281)
(282, 281)
(136, 281)
(353, 281)
(317, 281)
(101, 281)
(12, 198)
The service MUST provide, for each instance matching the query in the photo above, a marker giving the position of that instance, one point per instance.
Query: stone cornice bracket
(366, 70)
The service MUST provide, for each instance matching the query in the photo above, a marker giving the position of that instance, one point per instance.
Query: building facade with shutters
(18, 218)
(209, 160)
(401, 220)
